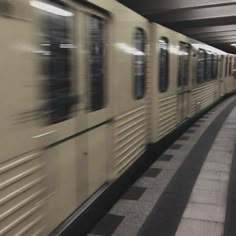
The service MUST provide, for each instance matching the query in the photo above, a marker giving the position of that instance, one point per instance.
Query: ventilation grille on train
(167, 115)
(130, 137)
(204, 96)
(21, 190)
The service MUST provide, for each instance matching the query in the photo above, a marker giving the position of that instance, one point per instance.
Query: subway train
(86, 86)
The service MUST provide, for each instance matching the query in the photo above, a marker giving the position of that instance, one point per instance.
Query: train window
(208, 72)
(96, 31)
(56, 57)
(139, 64)
(214, 66)
(201, 60)
(226, 67)
(230, 66)
(184, 52)
(221, 65)
(164, 64)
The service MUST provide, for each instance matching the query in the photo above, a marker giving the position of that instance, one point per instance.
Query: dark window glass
(183, 74)
(221, 65)
(139, 64)
(96, 62)
(214, 66)
(208, 74)
(230, 66)
(56, 59)
(201, 61)
(226, 67)
(164, 64)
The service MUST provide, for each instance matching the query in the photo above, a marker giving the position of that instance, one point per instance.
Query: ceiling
(209, 21)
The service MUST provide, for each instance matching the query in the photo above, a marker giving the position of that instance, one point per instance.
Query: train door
(63, 116)
(226, 73)
(73, 60)
(94, 40)
(183, 81)
(231, 80)
(221, 76)
(234, 72)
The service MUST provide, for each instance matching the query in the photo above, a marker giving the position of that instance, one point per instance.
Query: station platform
(190, 190)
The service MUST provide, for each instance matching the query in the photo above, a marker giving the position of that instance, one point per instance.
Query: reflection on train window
(96, 31)
(164, 64)
(183, 73)
(56, 59)
(208, 74)
(214, 66)
(139, 64)
(201, 60)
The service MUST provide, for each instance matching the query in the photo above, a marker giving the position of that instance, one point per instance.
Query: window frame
(230, 66)
(141, 79)
(226, 66)
(221, 66)
(181, 65)
(204, 66)
(208, 71)
(214, 67)
(57, 53)
(97, 107)
(163, 89)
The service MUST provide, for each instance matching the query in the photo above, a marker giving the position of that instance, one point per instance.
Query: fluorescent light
(233, 44)
(50, 8)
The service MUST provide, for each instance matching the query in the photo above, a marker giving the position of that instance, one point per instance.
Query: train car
(129, 48)
(74, 103)
(184, 79)
(206, 88)
(229, 78)
(86, 86)
(170, 80)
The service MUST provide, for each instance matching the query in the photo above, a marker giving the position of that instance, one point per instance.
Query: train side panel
(163, 81)
(22, 166)
(130, 124)
(206, 79)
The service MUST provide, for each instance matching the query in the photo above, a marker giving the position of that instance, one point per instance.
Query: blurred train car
(72, 118)
(85, 86)
(206, 77)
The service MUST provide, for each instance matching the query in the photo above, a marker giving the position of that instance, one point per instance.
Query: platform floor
(189, 191)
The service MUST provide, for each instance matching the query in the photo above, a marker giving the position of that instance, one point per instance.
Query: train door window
(214, 66)
(56, 58)
(201, 60)
(139, 64)
(164, 64)
(208, 74)
(96, 73)
(183, 73)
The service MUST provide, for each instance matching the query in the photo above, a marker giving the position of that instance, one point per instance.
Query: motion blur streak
(49, 8)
